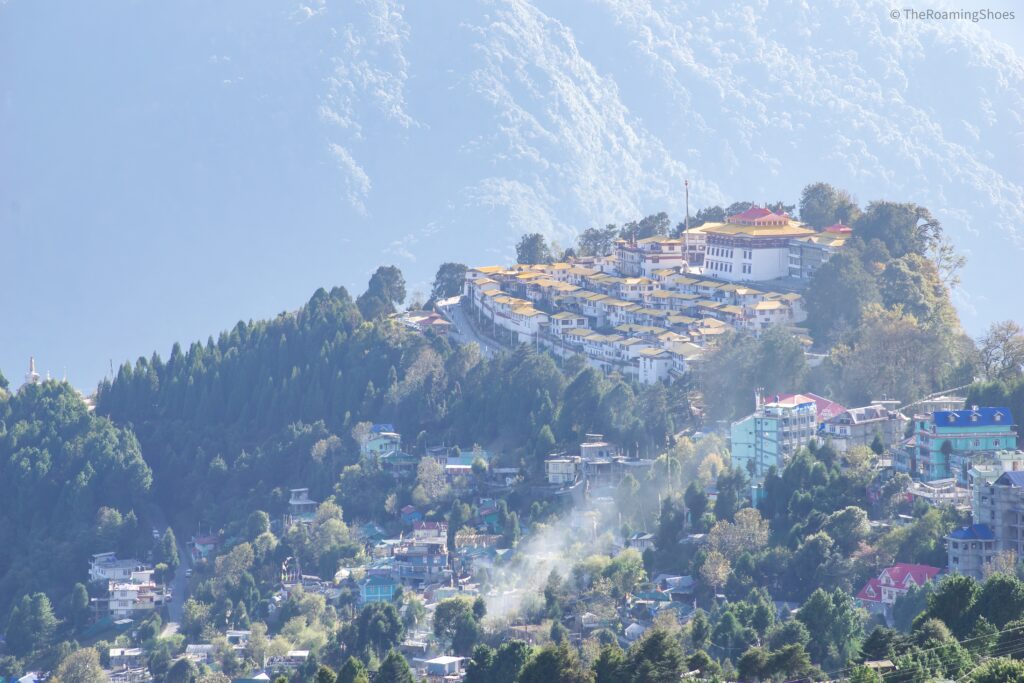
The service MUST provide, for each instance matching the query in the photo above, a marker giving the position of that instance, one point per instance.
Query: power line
(832, 674)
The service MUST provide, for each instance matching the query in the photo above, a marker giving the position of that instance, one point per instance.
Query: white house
(642, 257)
(655, 365)
(106, 567)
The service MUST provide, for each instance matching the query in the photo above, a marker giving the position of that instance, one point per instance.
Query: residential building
(997, 507)
(946, 442)
(986, 469)
(410, 515)
(640, 258)
(655, 365)
(807, 254)
(380, 443)
(880, 594)
(1001, 507)
(130, 599)
(377, 588)
(859, 427)
(824, 408)
(969, 549)
(695, 244)
(420, 561)
(429, 530)
(641, 541)
(203, 546)
(301, 508)
(562, 470)
(751, 246)
(445, 667)
(596, 448)
(773, 433)
(106, 567)
(126, 657)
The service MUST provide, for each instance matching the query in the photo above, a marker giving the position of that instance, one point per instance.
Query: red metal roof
(871, 592)
(898, 573)
(839, 227)
(825, 408)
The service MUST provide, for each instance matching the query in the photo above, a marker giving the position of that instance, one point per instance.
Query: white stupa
(32, 377)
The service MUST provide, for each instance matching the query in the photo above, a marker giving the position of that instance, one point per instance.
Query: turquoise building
(771, 436)
(946, 442)
(377, 588)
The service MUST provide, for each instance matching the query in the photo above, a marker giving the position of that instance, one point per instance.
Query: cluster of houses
(782, 424)
(598, 465)
(965, 456)
(131, 590)
(650, 308)
(383, 442)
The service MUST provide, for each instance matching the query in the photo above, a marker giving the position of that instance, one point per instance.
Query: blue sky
(167, 169)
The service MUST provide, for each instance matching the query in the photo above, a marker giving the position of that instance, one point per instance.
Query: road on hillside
(466, 332)
(179, 584)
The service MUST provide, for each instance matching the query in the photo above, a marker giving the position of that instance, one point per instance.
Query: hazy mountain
(169, 166)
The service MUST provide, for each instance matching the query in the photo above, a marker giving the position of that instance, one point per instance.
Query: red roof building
(893, 582)
(839, 229)
(757, 215)
(826, 408)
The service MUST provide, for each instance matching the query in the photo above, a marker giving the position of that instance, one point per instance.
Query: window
(977, 442)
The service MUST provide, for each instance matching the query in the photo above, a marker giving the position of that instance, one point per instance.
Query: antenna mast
(686, 222)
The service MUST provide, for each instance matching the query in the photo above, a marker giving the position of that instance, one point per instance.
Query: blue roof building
(946, 442)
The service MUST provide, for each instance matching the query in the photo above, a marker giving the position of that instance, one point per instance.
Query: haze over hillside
(171, 167)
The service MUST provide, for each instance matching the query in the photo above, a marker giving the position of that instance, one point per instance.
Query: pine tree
(394, 669)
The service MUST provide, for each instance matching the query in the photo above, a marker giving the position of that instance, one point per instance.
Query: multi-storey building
(773, 433)
(301, 508)
(969, 549)
(753, 245)
(421, 561)
(860, 426)
(986, 469)
(562, 470)
(947, 442)
(641, 258)
(997, 508)
(807, 254)
(106, 567)
(695, 244)
(1001, 507)
(140, 594)
(377, 588)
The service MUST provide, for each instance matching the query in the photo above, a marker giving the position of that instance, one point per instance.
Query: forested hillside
(71, 481)
(879, 315)
(228, 426)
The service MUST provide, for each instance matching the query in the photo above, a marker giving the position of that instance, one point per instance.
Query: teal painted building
(771, 436)
(947, 442)
(377, 588)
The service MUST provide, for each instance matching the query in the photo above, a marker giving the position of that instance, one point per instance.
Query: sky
(167, 169)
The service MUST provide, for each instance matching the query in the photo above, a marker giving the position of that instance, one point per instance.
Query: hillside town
(799, 539)
(415, 559)
(648, 309)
